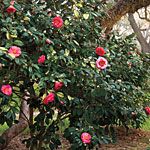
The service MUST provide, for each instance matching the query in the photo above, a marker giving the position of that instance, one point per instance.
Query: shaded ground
(136, 140)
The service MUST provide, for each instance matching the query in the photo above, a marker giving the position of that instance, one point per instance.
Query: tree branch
(121, 8)
(146, 15)
(16, 129)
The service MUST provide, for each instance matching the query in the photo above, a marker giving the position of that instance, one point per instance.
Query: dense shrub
(58, 52)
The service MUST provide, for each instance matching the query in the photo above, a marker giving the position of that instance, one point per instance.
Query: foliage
(90, 98)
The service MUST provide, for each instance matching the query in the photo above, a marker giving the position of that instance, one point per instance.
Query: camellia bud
(100, 51)
(147, 109)
(62, 103)
(12, 2)
(49, 98)
(11, 9)
(48, 41)
(58, 85)
(41, 59)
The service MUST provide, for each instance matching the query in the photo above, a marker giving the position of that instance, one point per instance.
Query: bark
(145, 46)
(121, 8)
(16, 129)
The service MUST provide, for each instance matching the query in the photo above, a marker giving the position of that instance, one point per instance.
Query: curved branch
(18, 128)
(146, 15)
(121, 8)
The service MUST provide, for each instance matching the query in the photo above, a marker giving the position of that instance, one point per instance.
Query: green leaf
(18, 43)
(76, 13)
(86, 16)
(3, 49)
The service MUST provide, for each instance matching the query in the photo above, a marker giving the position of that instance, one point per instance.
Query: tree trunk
(144, 45)
(121, 8)
(16, 129)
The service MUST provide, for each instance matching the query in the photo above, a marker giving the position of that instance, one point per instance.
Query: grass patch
(3, 128)
(146, 125)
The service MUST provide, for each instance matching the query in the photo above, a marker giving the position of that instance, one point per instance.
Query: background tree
(143, 34)
(121, 8)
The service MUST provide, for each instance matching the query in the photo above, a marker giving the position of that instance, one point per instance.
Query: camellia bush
(57, 65)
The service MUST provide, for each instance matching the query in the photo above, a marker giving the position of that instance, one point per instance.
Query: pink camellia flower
(6, 89)
(41, 59)
(48, 41)
(101, 63)
(147, 109)
(57, 22)
(100, 51)
(49, 98)
(11, 9)
(86, 138)
(58, 85)
(14, 51)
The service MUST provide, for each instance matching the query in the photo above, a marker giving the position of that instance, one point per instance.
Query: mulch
(136, 140)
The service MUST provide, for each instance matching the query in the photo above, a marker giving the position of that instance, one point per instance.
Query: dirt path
(136, 140)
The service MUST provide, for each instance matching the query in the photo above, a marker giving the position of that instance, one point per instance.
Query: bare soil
(136, 140)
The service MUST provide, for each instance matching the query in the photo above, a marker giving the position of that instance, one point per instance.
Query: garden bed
(136, 140)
